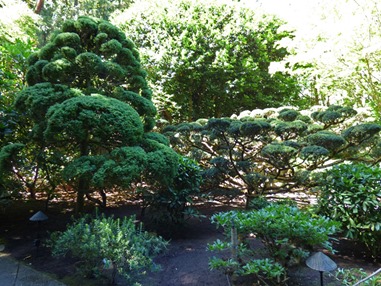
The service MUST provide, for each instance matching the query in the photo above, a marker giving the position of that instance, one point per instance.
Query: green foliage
(17, 22)
(208, 58)
(260, 154)
(173, 203)
(9, 185)
(118, 169)
(337, 58)
(327, 140)
(288, 114)
(287, 233)
(360, 133)
(55, 13)
(349, 277)
(74, 59)
(13, 67)
(104, 242)
(290, 130)
(86, 116)
(17, 31)
(97, 120)
(33, 103)
(351, 194)
(333, 114)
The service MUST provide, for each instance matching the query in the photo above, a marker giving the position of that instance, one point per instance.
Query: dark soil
(184, 263)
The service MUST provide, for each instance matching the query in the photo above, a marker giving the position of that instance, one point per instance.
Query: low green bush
(173, 204)
(107, 243)
(351, 194)
(288, 235)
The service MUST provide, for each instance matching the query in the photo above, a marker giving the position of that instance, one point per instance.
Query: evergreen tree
(89, 112)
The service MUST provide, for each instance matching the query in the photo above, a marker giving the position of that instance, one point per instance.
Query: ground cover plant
(349, 277)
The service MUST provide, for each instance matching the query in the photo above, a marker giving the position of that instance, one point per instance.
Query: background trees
(88, 113)
(207, 58)
(337, 51)
(17, 41)
(55, 12)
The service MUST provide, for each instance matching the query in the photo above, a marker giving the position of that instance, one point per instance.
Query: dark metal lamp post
(322, 263)
(38, 217)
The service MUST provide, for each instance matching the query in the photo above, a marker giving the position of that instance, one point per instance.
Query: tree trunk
(39, 6)
(83, 189)
(83, 183)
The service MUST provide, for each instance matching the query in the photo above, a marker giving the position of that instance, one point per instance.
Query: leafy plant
(349, 277)
(173, 203)
(288, 235)
(105, 242)
(351, 194)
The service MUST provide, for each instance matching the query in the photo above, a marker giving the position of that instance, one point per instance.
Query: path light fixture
(38, 217)
(322, 263)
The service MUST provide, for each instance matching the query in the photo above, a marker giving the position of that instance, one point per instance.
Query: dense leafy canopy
(88, 97)
(208, 58)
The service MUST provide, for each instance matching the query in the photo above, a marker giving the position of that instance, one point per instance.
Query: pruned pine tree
(90, 114)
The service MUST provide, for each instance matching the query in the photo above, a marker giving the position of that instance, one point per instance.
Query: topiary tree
(89, 110)
(272, 152)
(208, 58)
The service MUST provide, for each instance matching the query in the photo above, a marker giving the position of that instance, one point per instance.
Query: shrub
(287, 233)
(105, 242)
(172, 204)
(351, 194)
